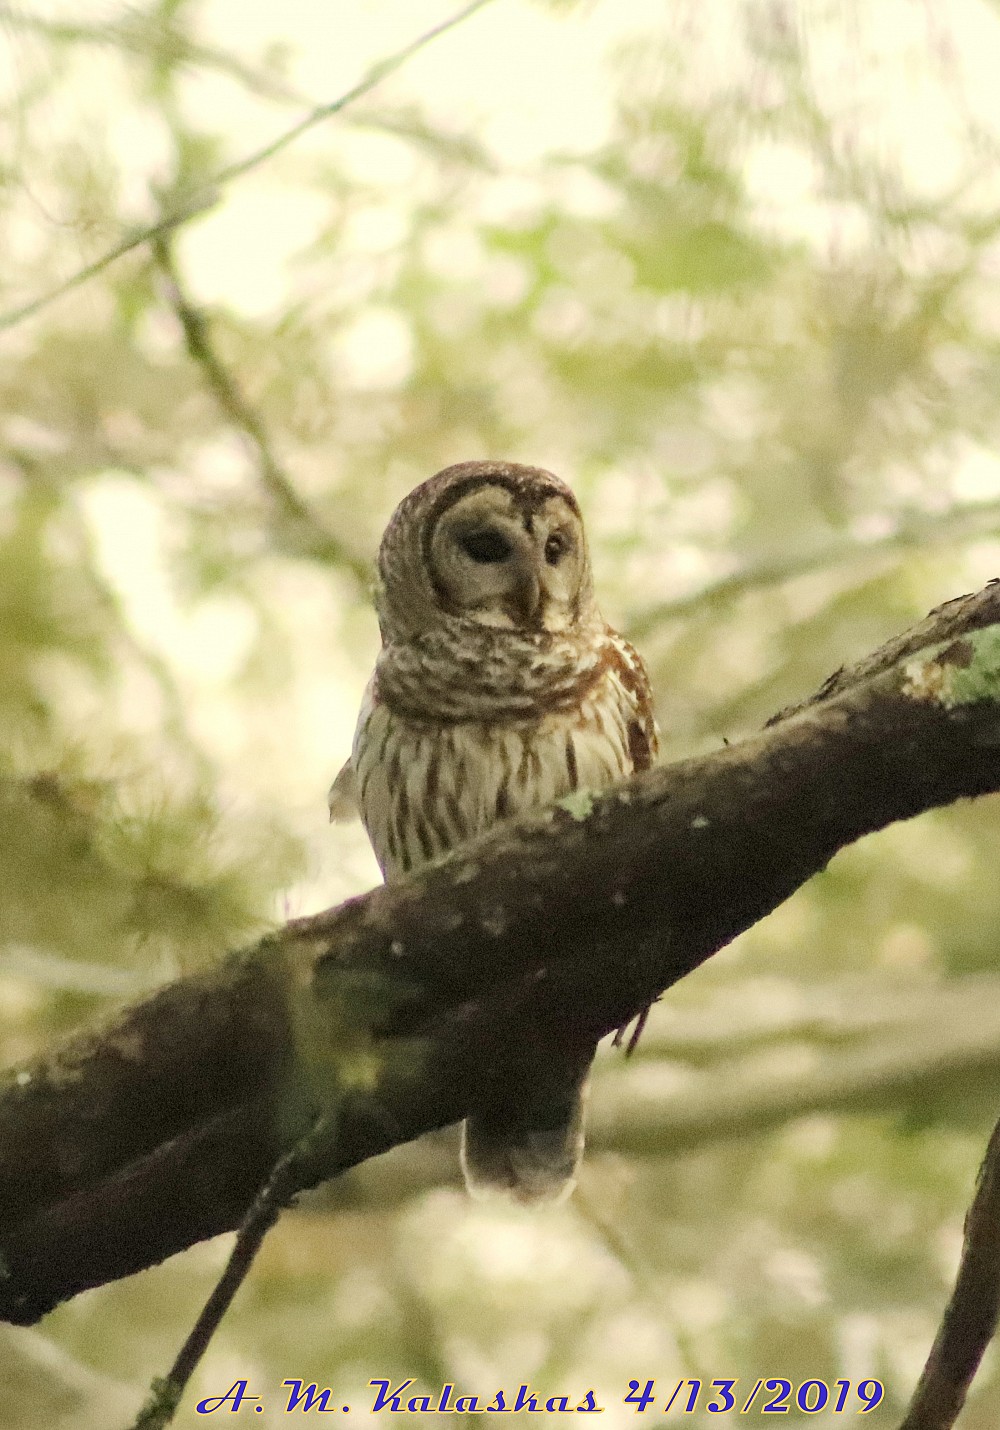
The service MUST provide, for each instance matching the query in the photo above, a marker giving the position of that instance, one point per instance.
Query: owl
(498, 689)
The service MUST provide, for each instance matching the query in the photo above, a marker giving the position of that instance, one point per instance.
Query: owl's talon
(637, 1032)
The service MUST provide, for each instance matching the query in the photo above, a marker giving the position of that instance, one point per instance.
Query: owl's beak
(525, 596)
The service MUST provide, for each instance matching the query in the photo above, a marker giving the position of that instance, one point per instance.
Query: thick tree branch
(135, 1140)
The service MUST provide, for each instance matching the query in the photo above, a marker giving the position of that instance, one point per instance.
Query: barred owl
(498, 689)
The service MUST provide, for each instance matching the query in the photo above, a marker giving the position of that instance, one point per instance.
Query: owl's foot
(637, 1031)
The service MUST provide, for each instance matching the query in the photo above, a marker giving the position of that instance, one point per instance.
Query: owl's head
(495, 543)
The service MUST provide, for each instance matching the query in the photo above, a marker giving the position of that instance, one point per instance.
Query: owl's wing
(633, 682)
(343, 796)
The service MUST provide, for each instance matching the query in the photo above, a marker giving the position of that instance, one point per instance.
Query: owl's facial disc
(507, 563)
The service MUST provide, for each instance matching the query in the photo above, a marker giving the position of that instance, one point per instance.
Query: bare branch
(208, 195)
(273, 1197)
(952, 1044)
(313, 537)
(960, 523)
(970, 1318)
(153, 35)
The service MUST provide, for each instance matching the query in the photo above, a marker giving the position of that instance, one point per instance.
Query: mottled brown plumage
(498, 689)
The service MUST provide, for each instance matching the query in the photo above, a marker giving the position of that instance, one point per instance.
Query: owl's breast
(426, 787)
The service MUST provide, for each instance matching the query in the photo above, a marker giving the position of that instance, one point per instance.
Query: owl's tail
(528, 1151)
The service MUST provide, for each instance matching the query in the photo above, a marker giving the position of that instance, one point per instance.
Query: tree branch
(963, 522)
(152, 36)
(267, 1206)
(970, 1318)
(208, 195)
(135, 1140)
(314, 538)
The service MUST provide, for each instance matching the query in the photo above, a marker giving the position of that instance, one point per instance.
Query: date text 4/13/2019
(771, 1396)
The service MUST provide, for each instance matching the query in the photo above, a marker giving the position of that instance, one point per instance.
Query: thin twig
(276, 1193)
(317, 540)
(964, 522)
(209, 193)
(970, 1318)
(142, 34)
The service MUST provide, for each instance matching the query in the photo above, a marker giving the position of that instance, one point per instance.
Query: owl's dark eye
(556, 547)
(486, 546)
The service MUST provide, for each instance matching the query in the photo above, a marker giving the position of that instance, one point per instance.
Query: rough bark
(136, 1139)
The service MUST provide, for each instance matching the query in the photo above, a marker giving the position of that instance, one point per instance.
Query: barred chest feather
(427, 784)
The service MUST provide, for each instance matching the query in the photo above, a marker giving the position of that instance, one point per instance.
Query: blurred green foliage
(763, 346)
